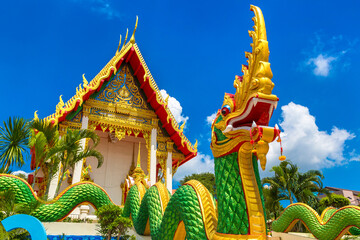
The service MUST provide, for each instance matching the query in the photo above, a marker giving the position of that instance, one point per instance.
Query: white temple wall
(64, 184)
(118, 158)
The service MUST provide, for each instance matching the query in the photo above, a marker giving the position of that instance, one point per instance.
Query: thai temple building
(139, 136)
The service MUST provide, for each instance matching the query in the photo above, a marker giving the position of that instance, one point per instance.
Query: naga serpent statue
(240, 138)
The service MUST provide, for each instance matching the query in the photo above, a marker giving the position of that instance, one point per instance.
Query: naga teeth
(253, 124)
(228, 128)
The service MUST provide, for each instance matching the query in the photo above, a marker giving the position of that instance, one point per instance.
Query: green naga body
(240, 138)
(61, 206)
(332, 224)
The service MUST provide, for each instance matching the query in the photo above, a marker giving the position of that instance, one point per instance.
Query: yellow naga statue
(240, 138)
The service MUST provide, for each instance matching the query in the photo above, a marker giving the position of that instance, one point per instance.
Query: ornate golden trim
(110, 69)
(147, 228)
(163, 194)
(161, 101)
(142, 190)
(119, 108)
(208, 208)
(253, 202)
(224, 236)
(180, 233)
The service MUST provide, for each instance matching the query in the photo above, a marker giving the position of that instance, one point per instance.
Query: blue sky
(194, 50)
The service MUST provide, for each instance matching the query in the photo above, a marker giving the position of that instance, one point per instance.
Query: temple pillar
(76, 177)
(153, 147)
(53, 184)
(55, 179)
(169, 167)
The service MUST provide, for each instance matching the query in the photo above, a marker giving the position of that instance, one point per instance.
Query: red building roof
(130, 54)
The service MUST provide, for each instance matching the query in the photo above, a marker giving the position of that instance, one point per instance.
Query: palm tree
(295, 186)
(309, 183)
(272, 197)
(286, 177)
(14, 136)
(70, 151)
(44, 137)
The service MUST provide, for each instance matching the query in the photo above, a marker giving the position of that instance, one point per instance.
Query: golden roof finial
(196, 144)
(80, 88)
(132, 39)
(85, 82)
(127, 32)
(36, 117)
(61, 102)
(167, 99)
(117, 51)
(182, 126)
(145, 76)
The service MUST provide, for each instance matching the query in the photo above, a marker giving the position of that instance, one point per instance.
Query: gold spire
(127, 31)
(132, 39)
(138, 164)
(117, 51)
(138, 173)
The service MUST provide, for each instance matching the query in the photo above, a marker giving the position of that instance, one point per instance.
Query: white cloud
(304, 144)
(175, 107)
(325, 53)
(20, 172)
(103, 7)
(211, 118)
(199, 164)
(322, 64)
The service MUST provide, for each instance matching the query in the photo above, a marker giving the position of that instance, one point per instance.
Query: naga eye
(225, 110)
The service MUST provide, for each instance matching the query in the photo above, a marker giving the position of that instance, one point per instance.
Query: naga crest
(253, 104)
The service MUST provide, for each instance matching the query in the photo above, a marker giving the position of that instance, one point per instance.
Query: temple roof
(130, 54)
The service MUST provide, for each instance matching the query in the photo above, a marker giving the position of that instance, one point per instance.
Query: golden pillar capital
(86, 110)
(169, 146)
(62, 129)
(154, 121)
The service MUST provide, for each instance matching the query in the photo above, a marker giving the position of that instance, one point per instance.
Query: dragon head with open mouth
(245, 115)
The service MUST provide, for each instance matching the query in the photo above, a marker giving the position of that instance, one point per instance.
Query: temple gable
(123, 89)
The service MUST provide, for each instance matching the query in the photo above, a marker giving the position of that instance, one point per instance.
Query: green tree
(112, 223)
(285, 179)
(43, 139)
(21, 175)
(272, 197)
(69, 150)
(333, 200)
(289, 184)
(8, 207)
(296, 186)
(207, 179)
(309, 183)
(14, 136)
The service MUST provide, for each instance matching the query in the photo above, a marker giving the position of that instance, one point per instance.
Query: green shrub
(112, 223)
(334, 200)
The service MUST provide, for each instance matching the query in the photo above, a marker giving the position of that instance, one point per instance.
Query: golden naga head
(245, 115)
(252, 101)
